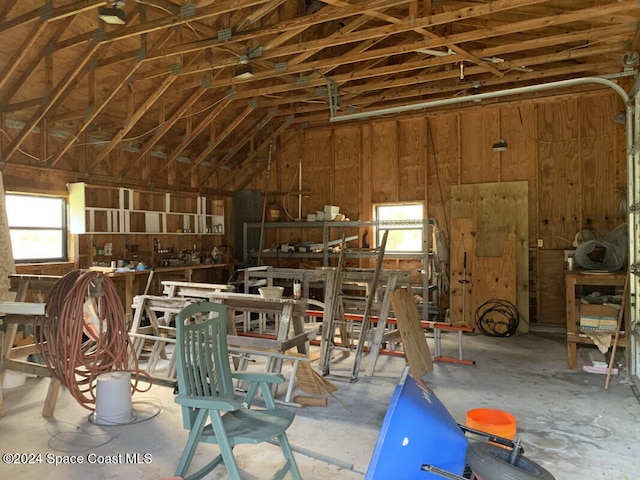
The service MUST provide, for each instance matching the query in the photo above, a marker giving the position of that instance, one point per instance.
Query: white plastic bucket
(113, 399)
(13, 379)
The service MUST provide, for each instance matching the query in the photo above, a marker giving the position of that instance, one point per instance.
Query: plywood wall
(567, 149)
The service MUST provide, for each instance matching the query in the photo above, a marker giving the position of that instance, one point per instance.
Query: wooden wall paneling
(551, 288)
(462, 245)
(384, 161)
(619, 156)
(286, 167)
(366, 212)
(479, 130)
(411, 160)
(559, 173)
(366, 188)
(316, 167)
(442, 167)
(520, 162)
(600, 194)
(289, 167)
(347, 153)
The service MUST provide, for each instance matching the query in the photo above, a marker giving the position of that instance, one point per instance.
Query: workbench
(132, 282)
(574, 280)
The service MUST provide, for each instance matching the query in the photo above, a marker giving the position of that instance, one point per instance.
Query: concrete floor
(567, 422)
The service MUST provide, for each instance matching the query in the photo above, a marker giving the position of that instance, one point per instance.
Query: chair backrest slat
(202, 354)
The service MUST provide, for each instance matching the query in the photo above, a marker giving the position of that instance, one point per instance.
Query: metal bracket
(334, 98)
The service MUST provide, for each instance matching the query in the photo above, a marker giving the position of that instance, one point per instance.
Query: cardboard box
(601, 318)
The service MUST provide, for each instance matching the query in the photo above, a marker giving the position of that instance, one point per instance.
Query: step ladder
(336, 314)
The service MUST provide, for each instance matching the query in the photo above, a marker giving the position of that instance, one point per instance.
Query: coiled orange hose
(73, 351)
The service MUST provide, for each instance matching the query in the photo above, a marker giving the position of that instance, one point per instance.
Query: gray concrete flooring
(567, 422)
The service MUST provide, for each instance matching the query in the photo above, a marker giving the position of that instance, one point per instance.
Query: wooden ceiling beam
(6, 9)
(187, 139)
(259, 13)
(297, 25)
(134, 117)
(19, 55)
(93, 111)
(170, 21)
(427, 34)
(202, 156)
(12, 83)
(246, 138)
(161, 130)
(56, 94)
(608, 33)
(263, 146)
(456, 38)
(436, 92)
(49, 14)
(526, 25)
(451, 75)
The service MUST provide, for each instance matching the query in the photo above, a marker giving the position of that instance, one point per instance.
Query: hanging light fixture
(500, 146)
(244, 72)
(112, 15)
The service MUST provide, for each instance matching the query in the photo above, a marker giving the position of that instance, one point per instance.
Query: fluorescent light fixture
(500, 146)
(244, 72)
(435, 53)
(111, 15)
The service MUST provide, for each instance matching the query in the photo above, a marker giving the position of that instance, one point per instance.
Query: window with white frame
(38, 227)
(404, 222)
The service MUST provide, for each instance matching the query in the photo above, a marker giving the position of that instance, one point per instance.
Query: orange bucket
(495, 422)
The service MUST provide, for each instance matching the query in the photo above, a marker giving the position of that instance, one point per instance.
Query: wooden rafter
(246, 138)
(95, 110)
(58, 92)
(187, 139)
(52, 15)
(218, 140)
(161, 130)
(132, 120)
(262, 147)
(378, 53)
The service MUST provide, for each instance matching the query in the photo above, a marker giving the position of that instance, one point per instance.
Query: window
(38, 228)
(404, 222)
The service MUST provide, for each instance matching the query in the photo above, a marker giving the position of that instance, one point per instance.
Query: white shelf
(118, 219)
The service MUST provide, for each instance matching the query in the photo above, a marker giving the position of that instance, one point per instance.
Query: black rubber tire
(491, 462)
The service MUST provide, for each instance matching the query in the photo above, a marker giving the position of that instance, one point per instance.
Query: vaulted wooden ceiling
(162, 87)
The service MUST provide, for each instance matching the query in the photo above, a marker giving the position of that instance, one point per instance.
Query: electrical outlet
(540, 243)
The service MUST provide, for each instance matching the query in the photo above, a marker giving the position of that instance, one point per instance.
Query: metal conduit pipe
(502, 93)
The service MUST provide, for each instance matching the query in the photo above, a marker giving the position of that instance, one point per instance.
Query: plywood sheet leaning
(490, 225)
(462, 246)
(414, 342)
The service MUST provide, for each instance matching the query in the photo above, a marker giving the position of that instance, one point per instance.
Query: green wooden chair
(206, 391)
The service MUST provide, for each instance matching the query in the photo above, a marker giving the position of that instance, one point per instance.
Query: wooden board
(520, 161)
(442, 167)
(599, 195)
(411, 159)
(479, 130)
(489, 223)
(414, 342)
(384, 161)
(551, 288)
(347, 164)
(559, 165)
